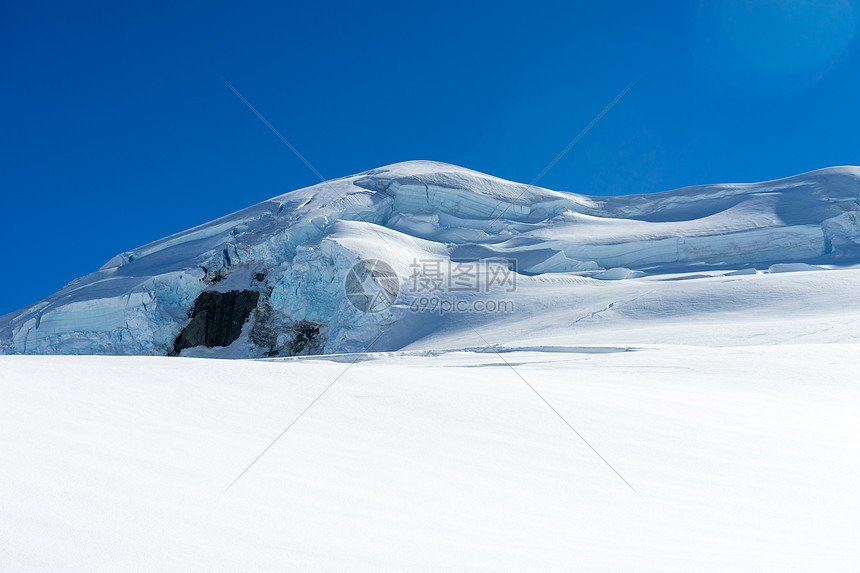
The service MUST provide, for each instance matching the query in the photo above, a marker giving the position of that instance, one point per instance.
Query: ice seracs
(294, 251)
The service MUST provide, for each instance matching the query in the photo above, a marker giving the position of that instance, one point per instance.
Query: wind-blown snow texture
(744, 459)
(586, 265)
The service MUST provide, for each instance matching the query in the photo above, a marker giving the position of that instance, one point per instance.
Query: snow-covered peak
(292, 253)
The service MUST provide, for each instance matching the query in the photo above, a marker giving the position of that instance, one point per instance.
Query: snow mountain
(387, 260)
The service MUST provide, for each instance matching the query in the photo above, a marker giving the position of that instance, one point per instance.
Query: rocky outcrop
(216, 319)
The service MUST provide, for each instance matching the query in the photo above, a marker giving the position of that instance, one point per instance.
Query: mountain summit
(288, 276)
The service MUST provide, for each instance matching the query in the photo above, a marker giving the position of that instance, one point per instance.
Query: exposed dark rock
(216, 319)
(276, 337)
(305, 338)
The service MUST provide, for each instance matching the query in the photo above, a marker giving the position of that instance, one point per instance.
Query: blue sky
(118, 130)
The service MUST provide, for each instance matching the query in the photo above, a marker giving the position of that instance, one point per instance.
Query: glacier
(583, 264)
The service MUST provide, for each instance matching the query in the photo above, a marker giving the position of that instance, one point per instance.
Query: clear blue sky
(116, 128)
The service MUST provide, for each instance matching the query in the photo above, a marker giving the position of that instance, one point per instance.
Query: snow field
(744, 459)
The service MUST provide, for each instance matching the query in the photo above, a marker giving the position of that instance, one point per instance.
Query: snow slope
(743, 459)
(583, 263)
